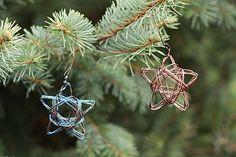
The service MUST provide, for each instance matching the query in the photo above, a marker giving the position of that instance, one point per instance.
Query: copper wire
(169, 83)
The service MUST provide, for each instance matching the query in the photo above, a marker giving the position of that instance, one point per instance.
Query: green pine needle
(9, 47)
(101, 142)
(72, 30)
(40, 82)
(28, 62)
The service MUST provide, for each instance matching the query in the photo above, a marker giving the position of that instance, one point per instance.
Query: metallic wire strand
(169, 84)
(76, 114)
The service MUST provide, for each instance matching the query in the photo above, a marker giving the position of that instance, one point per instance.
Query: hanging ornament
(66, 112)
(169, 84)
(75, 108)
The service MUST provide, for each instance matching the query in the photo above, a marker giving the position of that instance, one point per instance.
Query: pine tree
(108, 56)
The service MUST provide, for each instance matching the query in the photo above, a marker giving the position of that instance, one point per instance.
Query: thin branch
(37, 81)
(150, 42)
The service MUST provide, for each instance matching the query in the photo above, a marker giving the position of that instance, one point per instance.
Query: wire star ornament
(169, 84)
(75, 109)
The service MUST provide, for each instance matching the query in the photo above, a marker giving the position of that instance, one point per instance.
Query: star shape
(169, 84)
(77, 109)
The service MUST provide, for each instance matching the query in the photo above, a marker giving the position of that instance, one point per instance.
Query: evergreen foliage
(102, 142)
(108, 56)
(134, 29)
(206, 13)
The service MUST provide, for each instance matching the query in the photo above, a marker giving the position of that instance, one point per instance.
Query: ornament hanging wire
(169, 83)
(77, 109)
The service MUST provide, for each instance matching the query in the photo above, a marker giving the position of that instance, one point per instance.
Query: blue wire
(66, 123)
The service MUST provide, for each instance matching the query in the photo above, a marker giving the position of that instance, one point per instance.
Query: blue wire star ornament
(76, 109)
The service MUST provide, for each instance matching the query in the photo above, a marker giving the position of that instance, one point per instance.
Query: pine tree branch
(40, 81)
(205, 13)
(70, 31)
(116, 151)
(106, 141)
(132, 30)
(130, 20)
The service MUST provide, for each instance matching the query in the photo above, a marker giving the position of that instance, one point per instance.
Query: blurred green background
(207, 129)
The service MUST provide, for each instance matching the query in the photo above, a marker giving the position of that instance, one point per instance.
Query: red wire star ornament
(169, 84)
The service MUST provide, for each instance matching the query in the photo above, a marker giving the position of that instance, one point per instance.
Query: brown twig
(150, 42)
(37, 81)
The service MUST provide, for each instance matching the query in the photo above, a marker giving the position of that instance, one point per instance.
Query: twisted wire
(75, 118)
(169, 84)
